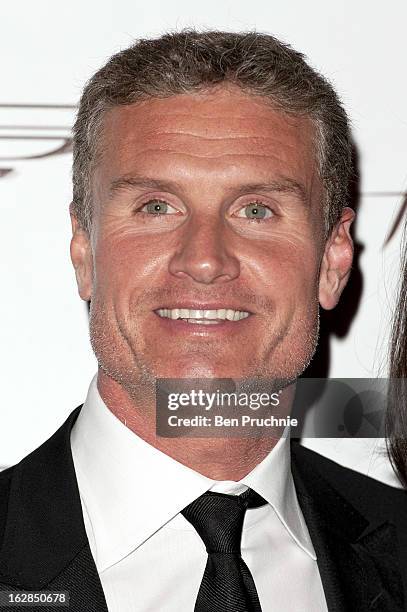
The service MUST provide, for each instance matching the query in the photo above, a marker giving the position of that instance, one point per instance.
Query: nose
(203, 253)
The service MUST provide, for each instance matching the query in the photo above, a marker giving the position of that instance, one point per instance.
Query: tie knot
(218, 519)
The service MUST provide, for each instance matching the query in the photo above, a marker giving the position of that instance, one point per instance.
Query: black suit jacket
(357, 527)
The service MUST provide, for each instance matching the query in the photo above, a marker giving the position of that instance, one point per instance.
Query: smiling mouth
(202, 317)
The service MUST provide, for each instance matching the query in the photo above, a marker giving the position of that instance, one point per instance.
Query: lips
(202, 316)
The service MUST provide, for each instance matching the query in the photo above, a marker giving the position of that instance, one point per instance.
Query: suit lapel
(45, 544)
(357, 558)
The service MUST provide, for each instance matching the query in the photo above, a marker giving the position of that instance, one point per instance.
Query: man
(209, 222)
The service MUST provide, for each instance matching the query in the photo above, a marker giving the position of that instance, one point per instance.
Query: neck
(216, 458)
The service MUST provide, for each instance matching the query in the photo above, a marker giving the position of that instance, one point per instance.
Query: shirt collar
(127, 503)
(272, 479)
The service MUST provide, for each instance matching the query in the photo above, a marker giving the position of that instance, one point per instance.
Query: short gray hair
(192, 61)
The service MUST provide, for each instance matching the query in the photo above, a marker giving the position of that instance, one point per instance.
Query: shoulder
(27, 484)
(365, 493)
(5, 484)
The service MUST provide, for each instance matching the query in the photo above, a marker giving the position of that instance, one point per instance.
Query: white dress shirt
(148, 556)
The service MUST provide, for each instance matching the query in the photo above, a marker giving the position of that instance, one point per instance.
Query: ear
(81, 257)
(337, 261)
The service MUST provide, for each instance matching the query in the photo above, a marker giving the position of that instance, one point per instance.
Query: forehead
(222, 132)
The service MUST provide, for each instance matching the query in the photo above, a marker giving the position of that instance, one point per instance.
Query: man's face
(207, 241)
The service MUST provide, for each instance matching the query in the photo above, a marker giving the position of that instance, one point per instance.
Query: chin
(198, 370)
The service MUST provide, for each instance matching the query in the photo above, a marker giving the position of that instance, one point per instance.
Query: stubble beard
(119, 360)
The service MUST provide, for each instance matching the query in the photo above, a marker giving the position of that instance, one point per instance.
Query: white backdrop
(51, 49)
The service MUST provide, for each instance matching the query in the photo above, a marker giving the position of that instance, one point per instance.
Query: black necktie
(227, 584)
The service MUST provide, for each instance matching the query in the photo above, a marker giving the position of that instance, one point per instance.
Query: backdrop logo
(33, 131)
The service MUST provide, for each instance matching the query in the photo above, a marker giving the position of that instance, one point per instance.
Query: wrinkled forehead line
(223, 111)
(226, 107)
(115, 118)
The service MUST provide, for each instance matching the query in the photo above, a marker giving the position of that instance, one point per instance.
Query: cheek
(286, 266)
(123, 263)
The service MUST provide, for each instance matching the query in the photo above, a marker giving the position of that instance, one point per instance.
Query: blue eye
(255, 210)
(156, 207)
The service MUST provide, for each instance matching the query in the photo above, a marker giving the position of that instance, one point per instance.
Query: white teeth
(211, 314)
(202, 321)
(207, 317)
(230, 314)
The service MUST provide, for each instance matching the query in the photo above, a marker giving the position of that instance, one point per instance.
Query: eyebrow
(283, 185)
(141, 182)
